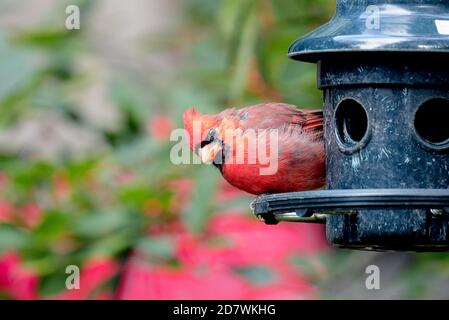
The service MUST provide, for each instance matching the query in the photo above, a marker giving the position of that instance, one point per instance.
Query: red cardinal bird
(297, 138)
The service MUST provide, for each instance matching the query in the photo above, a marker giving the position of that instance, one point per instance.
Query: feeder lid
(378, 26)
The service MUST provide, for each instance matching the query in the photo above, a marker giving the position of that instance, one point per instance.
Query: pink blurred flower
(125, 177)
(244, 241)
(31, 214)
(6, 211)
(226, 191)
(279, 292)
(62, 187)
(93, 274)
(160, 127)
(4, 179)
(144, 282)
(209, 264)
(15, 280)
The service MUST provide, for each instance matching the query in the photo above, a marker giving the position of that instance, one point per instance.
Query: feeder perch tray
(310, 206)
(349, 229)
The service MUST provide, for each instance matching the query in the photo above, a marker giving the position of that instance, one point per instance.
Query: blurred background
(85, 173)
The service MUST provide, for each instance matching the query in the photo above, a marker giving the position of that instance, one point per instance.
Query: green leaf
(257, 275)
(245, 53)
(80, 170)
(53, 225)
(228, 16)
(12, 238)
(17, 67)
(32, 174)
(114, 244)
(130, 101)
(52, 284)
(201, 205)
(98, 224)
(137, 196)
(162, 247)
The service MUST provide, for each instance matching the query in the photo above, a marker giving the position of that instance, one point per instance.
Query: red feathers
(192, 117)
(265, 148)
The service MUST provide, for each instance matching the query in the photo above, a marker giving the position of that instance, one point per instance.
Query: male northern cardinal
(297, 138)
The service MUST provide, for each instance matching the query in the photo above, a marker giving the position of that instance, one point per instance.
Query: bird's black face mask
(212, 150)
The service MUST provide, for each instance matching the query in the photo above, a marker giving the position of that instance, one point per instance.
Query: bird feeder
(383, 67)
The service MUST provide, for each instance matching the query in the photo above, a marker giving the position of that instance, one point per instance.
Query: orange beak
(208, 153)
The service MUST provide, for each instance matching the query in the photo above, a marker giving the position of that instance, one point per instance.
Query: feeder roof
(378, 26)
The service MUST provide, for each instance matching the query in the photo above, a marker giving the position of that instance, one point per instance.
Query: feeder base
(367, 219)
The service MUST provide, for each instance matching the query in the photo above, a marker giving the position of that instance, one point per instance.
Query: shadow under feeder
(386, 131)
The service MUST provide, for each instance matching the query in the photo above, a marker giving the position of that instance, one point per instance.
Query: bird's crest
(194, 118)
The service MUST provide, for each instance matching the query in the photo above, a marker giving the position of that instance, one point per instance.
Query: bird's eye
(211, 135)
(204, 143)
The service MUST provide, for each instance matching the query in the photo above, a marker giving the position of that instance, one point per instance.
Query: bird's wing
(278, 115)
